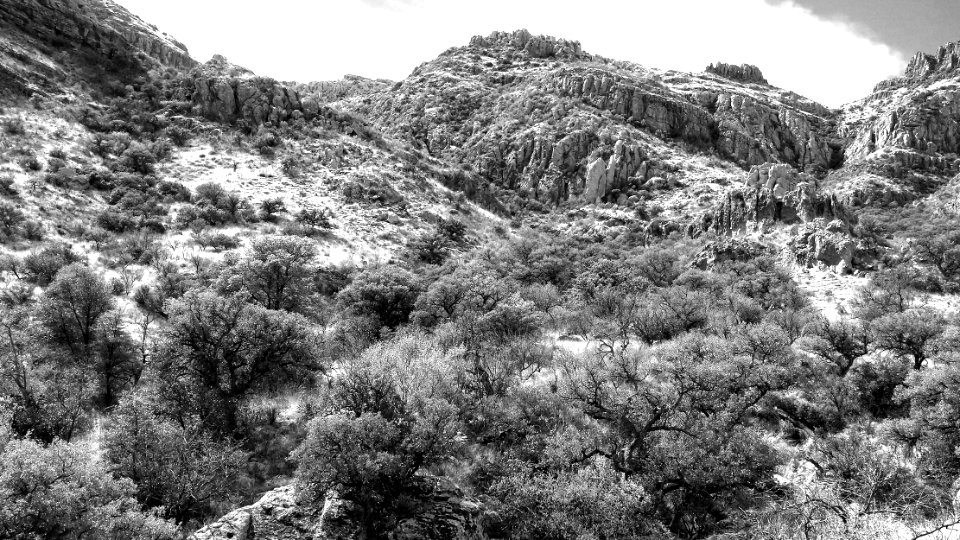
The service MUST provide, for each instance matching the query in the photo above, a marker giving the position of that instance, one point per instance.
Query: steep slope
(47, 45)
(540, 117)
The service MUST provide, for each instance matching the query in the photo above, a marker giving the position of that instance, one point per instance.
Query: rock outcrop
(535, 46)
(227, 93)
(280, 515)
(910, 124)
(827, 244)
(773, 193)
(745, 73)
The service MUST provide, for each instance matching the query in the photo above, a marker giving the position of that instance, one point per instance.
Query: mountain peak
(945, 63)
(746, 73)
(536, 46)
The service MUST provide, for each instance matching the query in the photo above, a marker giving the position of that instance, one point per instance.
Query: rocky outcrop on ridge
(745, 73)
(535, 46)
(227, 93)
(773, 194)
(281, 515)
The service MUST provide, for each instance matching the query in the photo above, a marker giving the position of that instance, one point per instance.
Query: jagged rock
(445, 514)
(276, 516)
(746, 73)
(727, 250)
(773, 193)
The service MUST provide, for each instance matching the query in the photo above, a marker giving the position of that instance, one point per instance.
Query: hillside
(526, 292)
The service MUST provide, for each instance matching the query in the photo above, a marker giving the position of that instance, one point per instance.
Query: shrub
(6, 186)
(180, 468)
(178, 135)
(30, 163)
(11, 221)
(218, 241)
(386, 294)
(57, 491)
(41, 266)
(290, 166)
(14, 127)
(269, 208)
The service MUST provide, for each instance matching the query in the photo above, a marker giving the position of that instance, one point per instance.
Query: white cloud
(828, 60)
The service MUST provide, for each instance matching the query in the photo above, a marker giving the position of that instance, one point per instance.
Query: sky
(833, 51)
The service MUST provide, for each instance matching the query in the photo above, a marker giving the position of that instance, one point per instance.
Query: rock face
(227, 93)
(910, 124)
(774, 193)
(828, 244)
(745, 73)
(98, 36)
(280, 515)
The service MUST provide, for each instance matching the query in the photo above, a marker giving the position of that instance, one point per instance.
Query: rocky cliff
(772, 194)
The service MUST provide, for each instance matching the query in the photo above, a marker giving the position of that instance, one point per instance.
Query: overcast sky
(833, 51)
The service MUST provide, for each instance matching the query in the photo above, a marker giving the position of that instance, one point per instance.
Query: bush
(269, 208)
(11, 221)
(57, 491)
(14, 127)
(290, 166)
(178, 135)
(386, 294)
(217, 241)
(6, 186)
(30, 163)
(186, 472)
(41, 266)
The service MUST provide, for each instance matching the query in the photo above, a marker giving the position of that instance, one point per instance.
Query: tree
(386, 294)
(182, 469)
(117, 362)
(372, 462)
(841, 343)
(909, 334)
(269, 208)
(73, 303)
(889, 291)
(277, 272)
(217, 350)
(680, 425)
